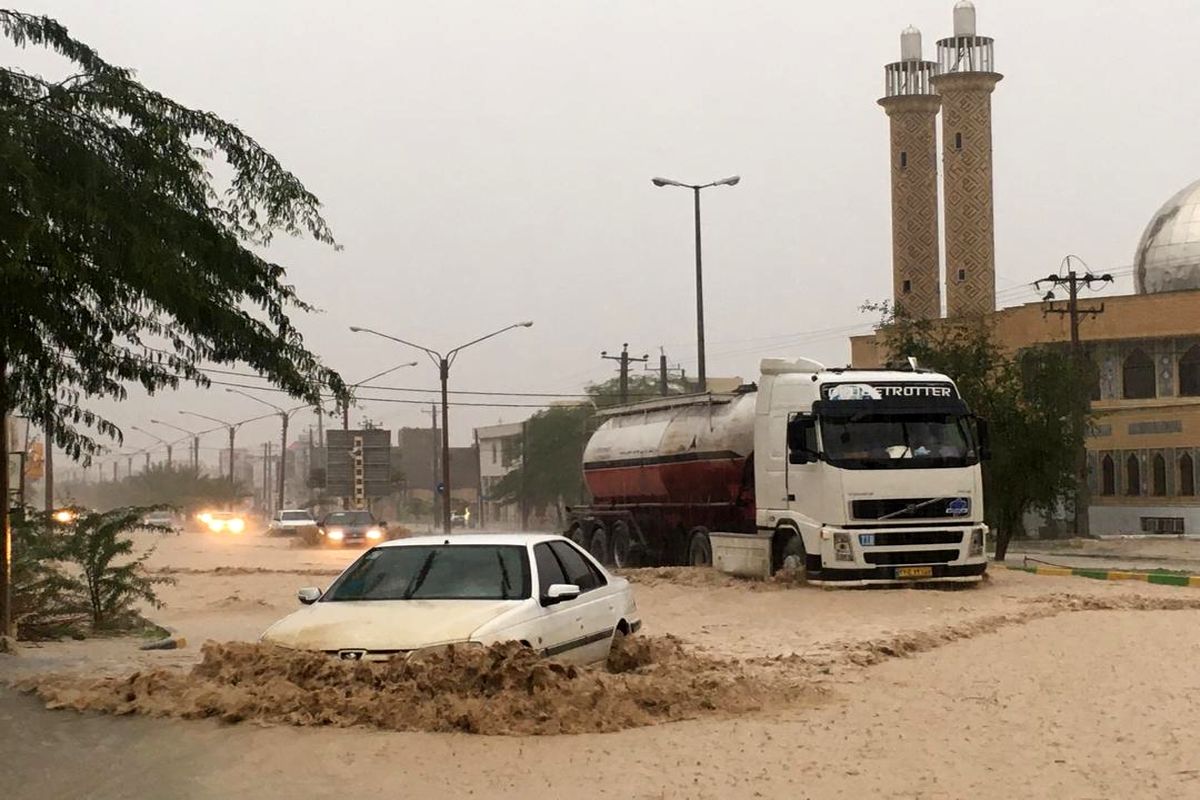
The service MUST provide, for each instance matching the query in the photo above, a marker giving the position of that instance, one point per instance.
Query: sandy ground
(1026, 686)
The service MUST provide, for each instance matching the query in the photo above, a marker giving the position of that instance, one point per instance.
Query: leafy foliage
(121, 257)
(181, 487)
(1035, 402)
(67, 577)
(114, 579)
(550, 472)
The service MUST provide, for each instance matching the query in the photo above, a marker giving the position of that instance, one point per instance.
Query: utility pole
(624, 360)
(1072, 281)
(433, 445)
(48, 429)
(266, 476)
(662, 372)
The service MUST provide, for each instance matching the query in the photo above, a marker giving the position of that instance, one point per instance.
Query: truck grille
(905, 538)
(893, 508)
(887, 559)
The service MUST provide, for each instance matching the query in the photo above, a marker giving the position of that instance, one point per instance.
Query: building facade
(499, 454)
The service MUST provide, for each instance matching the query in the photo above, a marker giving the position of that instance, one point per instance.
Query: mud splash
(699, 578)
(503, 689)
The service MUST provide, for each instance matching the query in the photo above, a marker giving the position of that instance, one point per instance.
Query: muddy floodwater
(1024, 686)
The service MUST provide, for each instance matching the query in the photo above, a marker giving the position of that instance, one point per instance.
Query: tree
(1035, 402)
(550, 472)
(123, 258)
(181, 487)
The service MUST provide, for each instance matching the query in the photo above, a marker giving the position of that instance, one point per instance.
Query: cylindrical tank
(910, 44)
(964, 18)
(689, 451)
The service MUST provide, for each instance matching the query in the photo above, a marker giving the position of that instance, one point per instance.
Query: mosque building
(1144, 448)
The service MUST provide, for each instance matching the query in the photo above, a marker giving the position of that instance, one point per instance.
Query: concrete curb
(173, 641)
(1162, 578)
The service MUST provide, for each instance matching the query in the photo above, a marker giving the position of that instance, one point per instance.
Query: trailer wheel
(789, 552)
(621, 545)
(598, 545)
(577, 536)
(699, 549)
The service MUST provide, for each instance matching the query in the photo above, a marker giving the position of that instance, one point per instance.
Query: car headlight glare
(843, 550)
(374, 533)
(237, 525)
(336, 534)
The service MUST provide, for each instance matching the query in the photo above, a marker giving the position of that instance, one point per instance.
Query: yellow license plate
(914, 572)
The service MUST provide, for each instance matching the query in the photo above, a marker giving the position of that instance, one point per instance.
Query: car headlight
(216, 525)
(237, 525)
(843, 550)
(335, 534)
(977, 542)
(374, 533)
(204, 517)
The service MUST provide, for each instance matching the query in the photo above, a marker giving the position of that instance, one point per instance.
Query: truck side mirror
(985, 440)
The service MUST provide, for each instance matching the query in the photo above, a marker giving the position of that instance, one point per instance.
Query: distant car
(419, 595)
(161, 519)
(459, 520)
(223, 521)
(291, 521)
(349, 527)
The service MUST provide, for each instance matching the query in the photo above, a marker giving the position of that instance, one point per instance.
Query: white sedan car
(422, 593)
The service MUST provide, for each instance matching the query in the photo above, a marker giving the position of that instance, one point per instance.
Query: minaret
(965, 80)
(911, 104)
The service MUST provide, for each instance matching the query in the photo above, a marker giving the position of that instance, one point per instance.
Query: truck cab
(868, 476)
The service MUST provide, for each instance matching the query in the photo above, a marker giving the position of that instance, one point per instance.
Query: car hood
(384, 624)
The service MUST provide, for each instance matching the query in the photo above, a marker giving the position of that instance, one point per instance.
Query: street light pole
(160, 440)
(346, 403)
(283, 418)
(443, 364)
(195, 440)
(733, 180)
(232, 427)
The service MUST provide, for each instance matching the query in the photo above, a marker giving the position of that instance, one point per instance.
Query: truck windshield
(900, 441)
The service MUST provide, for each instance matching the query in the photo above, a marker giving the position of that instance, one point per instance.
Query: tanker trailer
(846, 476)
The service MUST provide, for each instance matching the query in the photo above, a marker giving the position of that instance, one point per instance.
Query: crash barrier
(1164, 578)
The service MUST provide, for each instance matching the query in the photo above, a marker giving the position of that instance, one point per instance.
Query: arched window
(1159, 475)
(1189, 372)
(1108, 476)
(1133, 476)
(1187, 476)
(1137, 376)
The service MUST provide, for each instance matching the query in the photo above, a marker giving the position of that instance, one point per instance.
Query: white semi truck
(852, 476)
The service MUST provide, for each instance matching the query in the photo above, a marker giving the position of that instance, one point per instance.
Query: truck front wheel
(621, 545)
(790, 555)
(699, 549)
(598, 545)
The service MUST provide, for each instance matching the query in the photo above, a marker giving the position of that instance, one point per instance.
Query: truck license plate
(914, 572)
(866, 539)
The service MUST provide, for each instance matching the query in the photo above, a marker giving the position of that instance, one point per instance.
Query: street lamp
(346, 403)
(159, 439)
(732, 180)
(443, 364)
(229, 426)
(283, 417)
(195, 440)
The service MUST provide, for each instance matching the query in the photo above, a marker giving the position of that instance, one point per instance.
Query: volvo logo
(958, 507)
(351, 655)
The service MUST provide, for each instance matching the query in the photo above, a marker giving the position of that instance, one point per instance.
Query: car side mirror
(309, 595)
(559, 593)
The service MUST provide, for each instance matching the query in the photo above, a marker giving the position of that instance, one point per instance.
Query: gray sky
(489, 162)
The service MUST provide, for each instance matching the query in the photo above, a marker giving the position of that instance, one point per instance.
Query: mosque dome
(1168, 256)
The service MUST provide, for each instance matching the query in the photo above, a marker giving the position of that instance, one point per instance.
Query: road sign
(362, 458)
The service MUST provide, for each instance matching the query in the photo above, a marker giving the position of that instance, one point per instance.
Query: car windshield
(907, 441)
(349, 518)
(436, 572)
(295, 516)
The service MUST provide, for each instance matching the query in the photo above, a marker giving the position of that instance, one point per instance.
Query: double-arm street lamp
(232, 427)
(346, 403)
(443, 363)
(730, 181)
(284, 415)
(195, 440)
(159, 439)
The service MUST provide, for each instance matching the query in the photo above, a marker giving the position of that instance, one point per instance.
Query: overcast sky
(487, 162)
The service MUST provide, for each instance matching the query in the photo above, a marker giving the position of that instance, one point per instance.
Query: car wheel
(700, 549)
(598, 545)
(621, 545)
